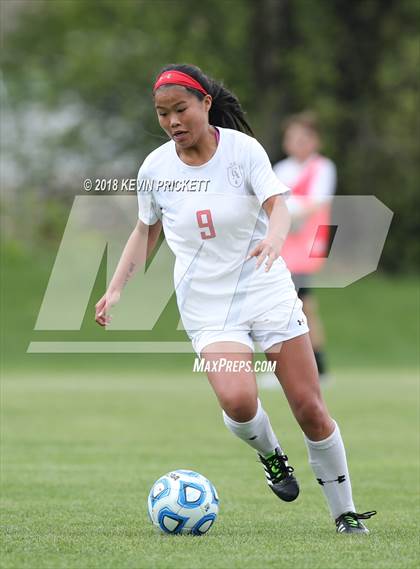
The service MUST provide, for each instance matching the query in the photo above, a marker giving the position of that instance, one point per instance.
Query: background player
(312, 179)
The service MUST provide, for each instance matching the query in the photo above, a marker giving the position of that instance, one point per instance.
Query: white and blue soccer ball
(183, 502)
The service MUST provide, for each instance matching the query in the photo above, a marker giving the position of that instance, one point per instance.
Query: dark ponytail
(226, 110)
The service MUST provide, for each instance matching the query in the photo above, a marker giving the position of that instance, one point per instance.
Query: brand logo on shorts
(235, 175)
(301, 322)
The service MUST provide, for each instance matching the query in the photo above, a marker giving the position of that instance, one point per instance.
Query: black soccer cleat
(350, 522)
(279, 476)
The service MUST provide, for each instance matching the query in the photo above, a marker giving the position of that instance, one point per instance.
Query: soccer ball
(183, 501)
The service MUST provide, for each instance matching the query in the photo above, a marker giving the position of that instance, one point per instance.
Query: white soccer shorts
(283, 322)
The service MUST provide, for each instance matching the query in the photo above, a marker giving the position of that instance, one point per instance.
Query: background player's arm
(278, 228)
(139, 246)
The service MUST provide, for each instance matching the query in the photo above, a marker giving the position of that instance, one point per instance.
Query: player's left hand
(266, 249)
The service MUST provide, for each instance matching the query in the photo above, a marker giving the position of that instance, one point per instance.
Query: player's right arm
(139, 246)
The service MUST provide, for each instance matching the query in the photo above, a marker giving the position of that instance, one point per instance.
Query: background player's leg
(316, 330)
(297, 372)
(302, 284)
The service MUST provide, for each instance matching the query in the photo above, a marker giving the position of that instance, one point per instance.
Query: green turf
(80, 452)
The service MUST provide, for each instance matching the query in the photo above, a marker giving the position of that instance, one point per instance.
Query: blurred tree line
(76, 94)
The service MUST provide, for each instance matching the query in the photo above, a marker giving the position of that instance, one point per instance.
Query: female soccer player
(223, 212)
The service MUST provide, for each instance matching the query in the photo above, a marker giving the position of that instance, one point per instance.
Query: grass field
(80, 452)
(84, 436)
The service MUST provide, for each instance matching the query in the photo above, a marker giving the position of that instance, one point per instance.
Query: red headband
(173, 77)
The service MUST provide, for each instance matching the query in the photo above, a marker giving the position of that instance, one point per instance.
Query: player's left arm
(278, 227)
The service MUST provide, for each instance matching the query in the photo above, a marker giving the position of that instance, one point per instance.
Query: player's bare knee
(312, 416)
(239, 408)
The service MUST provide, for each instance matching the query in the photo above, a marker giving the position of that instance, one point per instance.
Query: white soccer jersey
(212, 216)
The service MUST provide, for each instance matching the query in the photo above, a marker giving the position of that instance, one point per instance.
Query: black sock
(320, 362)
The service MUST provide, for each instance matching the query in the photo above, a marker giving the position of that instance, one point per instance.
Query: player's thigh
(297, 371)
(232, 378)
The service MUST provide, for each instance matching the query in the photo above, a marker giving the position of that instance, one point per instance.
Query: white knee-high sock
(257, 432)
(329, 463)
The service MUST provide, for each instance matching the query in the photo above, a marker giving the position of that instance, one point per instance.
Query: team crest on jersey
(235, 175)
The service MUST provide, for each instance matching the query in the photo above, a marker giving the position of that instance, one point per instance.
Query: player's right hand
(104, 305)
